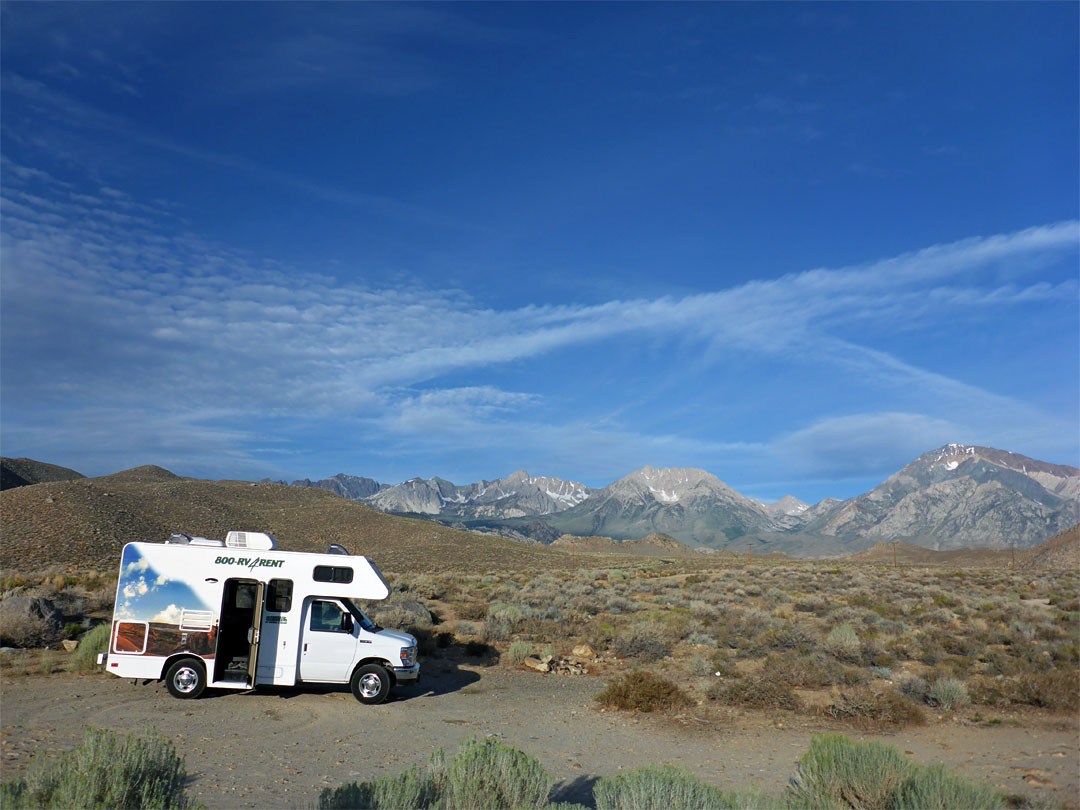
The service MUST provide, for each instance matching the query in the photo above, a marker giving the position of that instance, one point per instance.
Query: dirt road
(281, 748)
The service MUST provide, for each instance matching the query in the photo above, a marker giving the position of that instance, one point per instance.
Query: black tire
(370, 684)
(186, 679)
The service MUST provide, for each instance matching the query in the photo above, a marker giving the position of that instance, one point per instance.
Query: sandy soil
(280, 748)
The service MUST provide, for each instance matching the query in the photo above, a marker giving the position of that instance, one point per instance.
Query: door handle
(305, 646)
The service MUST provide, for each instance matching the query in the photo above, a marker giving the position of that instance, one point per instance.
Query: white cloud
(137, 567)
(172, 346)
(170, 615)
(137, 588)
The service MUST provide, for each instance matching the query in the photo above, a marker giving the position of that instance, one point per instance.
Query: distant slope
(346, 486)
(22, 472)
(655, 545)
(86, 522)
(148, 474)
(690, 505)
(881, 553)
(1060, 553)
(959, 496)
(517, 495)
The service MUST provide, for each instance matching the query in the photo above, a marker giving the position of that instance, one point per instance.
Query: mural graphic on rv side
(156, 615)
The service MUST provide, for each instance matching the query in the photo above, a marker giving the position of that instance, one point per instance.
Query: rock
(30, 620)
(547, 659)
(534, 662)
(70, 644)
(584, 651)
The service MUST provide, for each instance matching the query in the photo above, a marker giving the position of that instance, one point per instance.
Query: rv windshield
(364, 622)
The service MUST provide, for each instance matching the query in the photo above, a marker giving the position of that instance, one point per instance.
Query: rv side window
(328, 617)
(332, 573)
(279, 596)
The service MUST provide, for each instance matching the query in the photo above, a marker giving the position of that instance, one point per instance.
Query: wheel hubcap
(370, 685)
(186, 679)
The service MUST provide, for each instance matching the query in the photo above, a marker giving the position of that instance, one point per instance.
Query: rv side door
(254, 632)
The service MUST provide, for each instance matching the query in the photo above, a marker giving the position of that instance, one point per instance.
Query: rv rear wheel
(186, 678)
(370, 684)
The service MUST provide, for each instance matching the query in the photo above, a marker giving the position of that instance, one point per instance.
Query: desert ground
(280, 748)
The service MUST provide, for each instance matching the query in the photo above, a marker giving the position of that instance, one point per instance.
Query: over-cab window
(328, 617)
(332, 573)
(279, 596)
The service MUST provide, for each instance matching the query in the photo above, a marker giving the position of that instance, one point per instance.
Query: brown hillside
(1060, 552)
(147, 474)
(881, 553)
(21, 472)
(655, 545)
(85, 523)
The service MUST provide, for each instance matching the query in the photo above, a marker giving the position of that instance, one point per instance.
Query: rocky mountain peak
(669, 484)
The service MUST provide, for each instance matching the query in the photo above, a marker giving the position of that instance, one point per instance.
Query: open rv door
(253, 633)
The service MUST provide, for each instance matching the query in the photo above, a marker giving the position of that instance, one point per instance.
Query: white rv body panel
(220, 604)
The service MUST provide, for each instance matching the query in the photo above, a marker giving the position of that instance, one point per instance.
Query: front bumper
(407, 674)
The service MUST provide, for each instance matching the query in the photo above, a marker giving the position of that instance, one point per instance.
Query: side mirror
(347, 623)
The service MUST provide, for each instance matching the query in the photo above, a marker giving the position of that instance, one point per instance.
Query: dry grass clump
(643, 692)
(877, 708)
(1058, 690)
(757, 692)
(646, 642)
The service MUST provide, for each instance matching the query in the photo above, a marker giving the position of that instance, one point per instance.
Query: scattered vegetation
(84, 659)
(876, 643)
(483, 773)
(643, 692)
(836, 773)
(105, 770)
(839, 773)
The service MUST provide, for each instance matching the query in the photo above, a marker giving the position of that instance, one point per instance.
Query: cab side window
(328, 617)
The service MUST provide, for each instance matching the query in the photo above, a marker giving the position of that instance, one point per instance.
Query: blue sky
(794, 245)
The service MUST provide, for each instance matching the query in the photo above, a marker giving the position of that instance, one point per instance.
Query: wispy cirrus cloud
(121, 329)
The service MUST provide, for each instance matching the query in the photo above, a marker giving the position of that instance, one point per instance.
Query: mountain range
(956, 496)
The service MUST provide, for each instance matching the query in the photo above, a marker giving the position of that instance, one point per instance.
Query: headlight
(408, 656)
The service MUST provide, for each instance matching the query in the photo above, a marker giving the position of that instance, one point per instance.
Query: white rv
(238, 614)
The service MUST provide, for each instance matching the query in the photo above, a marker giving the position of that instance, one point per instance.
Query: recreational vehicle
(238, 614)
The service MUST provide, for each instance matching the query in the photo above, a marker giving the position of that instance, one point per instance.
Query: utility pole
(750, 548)
(1012, 545)
(894, 542)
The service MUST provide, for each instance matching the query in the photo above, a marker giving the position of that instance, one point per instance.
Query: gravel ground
(280, 748)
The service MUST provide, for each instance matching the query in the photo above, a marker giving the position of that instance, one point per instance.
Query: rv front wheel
(370, 684)
(186, 678)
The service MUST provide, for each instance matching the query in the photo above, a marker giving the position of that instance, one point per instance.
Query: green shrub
(486, 773)
(412, 788)
(663, 787)
(519, 651)
(482, 774)
(843, 642)
(838, 772)
(933, 787)
(948, 693)
(644, 692)
(84, 659)
(105, 770)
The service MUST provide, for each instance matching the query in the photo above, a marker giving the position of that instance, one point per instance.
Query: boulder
(28, 621)
(584, 651)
